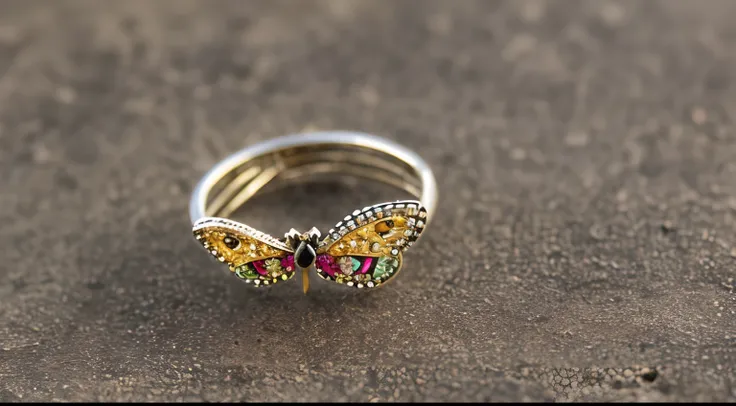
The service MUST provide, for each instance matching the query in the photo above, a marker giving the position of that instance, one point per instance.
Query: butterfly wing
(365, 249)
(251, 255)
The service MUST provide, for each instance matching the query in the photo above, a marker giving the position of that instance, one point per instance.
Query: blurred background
(583, 248)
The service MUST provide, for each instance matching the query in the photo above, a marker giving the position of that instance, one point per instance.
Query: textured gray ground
(585, 152)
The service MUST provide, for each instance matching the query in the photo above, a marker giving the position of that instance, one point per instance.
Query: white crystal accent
(346, 265)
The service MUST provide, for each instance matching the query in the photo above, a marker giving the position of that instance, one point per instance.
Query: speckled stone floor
(583, 249)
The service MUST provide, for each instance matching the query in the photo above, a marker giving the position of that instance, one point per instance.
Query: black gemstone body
(305, 255)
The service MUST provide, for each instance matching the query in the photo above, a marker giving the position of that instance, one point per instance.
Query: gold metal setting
(252, 245)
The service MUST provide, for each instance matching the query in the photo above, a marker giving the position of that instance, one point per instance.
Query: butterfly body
(363, 250)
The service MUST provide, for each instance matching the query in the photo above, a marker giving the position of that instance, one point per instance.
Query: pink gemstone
(327, 264)
(288, 263)
(366, 265)
(260, 268)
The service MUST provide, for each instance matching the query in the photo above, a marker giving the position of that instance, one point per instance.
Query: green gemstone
(284, 277)
(246, 272)
(356, 264)
(385, 266)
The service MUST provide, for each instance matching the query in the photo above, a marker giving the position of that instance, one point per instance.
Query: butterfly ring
(363, 250)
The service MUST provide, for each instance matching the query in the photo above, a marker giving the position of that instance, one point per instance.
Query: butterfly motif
(364, 250)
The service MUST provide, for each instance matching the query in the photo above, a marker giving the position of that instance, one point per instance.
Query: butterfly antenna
(305, 280)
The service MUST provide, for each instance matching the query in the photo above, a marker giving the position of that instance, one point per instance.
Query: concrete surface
(583, 249)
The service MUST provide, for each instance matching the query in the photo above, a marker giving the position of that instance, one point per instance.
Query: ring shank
(237, 178)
